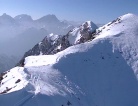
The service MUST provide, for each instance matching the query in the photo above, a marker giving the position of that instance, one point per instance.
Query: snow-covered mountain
(55, 43)
(100, 72)
(22, 22)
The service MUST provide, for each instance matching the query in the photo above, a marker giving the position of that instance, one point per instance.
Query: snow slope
(13, 80)
(101, 72)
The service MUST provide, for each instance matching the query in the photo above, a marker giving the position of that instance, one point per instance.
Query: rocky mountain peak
(52, 44)
(48, 18)
(23, 17)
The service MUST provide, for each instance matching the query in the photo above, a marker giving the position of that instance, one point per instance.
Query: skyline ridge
(81, 10)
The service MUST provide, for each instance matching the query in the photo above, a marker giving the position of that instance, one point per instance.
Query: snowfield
(101, 72)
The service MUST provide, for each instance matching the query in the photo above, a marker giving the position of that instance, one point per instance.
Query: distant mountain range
(19, 34)
(22, 22)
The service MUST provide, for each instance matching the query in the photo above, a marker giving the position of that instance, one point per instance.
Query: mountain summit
(7, 20)
(48, 18)
(23, 17)
(100, 72)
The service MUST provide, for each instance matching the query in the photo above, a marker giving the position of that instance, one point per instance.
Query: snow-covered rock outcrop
(55, 43)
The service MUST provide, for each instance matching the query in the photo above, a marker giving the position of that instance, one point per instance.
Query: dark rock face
(46, 47)
(56, 43)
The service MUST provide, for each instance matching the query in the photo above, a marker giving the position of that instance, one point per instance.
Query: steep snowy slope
(101, 72)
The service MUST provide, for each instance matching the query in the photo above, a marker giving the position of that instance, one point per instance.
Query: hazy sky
(98, 11)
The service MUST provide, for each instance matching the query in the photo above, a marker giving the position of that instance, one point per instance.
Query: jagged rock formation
(55, 43)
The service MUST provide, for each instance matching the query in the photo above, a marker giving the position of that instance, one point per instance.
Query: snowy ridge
(52, 44)
(101, 72)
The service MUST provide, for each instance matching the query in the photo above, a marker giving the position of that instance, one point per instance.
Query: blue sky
(98, 11)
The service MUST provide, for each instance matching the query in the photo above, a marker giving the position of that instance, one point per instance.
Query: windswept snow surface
(102, 72)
